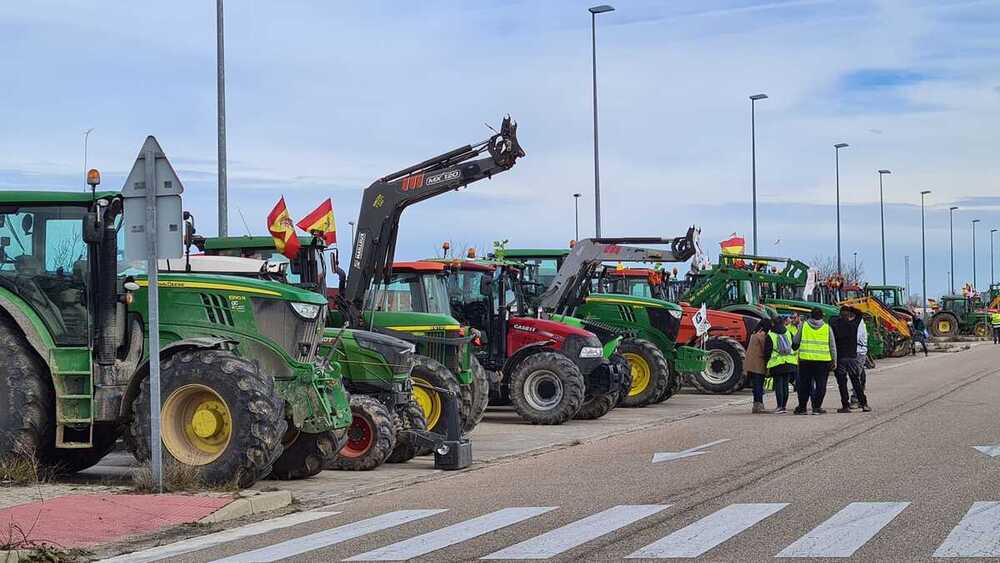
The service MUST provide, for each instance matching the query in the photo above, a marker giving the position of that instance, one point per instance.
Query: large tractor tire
(27, 416)
(944, 324)
(547, 388)
(429, 372)
(370, 439)
(219, 413)
(621, 363)
(412, 418)
(724, 366)
(596, 406)
(475, 397)
(672, 387)
(981, 329)
(649, 372)
(304, 454)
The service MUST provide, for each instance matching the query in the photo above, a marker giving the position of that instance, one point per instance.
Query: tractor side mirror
(189, 229)
(91, 228)
(4, 243)
(27, 222)
(486, 287)
(334, 260)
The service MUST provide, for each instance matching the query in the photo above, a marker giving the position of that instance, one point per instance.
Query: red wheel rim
(359, 438)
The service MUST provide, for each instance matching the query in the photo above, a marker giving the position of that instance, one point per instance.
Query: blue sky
(323, 97)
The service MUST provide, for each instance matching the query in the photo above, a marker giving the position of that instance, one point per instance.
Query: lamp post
(992, 277)
(855, 265)
(923, 250)
(951, 246)
(86, 138)
(974, 221)
(881, 208)
(597, 168)
(576, 215)
(220, 84)
(837, 148)
(753, 161)
(351, 223)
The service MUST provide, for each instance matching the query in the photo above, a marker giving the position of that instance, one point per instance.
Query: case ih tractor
(550, 371)
(244, 394)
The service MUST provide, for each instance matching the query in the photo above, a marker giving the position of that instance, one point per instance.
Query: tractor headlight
(307, 311)
(591, 352)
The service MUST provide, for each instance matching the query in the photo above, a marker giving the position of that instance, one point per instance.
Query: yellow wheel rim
(641, 374)
(982, 330)
(196, 425)
(429, 401)
(944, 327)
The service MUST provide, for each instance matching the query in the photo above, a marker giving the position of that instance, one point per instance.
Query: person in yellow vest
(782, 361)
(817, 358)
(995, 322)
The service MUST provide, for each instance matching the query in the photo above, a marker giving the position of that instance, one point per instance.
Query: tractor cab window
(43, 260)
(410, 292)
(639, 288)
(957, 306)
(887, 296)
(541, 270)
(468, 304)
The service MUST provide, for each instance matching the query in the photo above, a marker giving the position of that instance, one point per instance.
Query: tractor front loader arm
(384, 201)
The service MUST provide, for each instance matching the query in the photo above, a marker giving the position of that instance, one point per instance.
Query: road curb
(249, 503)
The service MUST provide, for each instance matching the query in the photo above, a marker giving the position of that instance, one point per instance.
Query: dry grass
(21, 468)
(179, 478)
(16, 539)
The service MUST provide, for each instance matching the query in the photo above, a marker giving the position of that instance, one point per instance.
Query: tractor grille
(297, 336)
(217, 309)
(447, 353)
(662, 320)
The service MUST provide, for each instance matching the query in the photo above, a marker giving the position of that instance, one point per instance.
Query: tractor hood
(633, 300)
(413, 322)
(256, 288)
(542, 326)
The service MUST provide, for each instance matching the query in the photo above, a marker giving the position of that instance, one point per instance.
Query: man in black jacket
(849, 365)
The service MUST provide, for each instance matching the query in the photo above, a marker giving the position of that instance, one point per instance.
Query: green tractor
(243, 393)
(958, 314)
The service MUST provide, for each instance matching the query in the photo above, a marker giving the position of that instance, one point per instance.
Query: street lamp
(86, 137)
(992, 277)
(351, 223)
(597, 168)
(881, 208)
(951, 245)
(220, 85)
(753, 162)
(974, 221)
(856, 266)
(923, 249)
(576, 213)
(836, 151)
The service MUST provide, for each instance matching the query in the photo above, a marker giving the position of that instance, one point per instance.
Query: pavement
(902, 483)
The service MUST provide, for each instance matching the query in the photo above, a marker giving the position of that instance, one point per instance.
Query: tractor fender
(142, 372)
(35, 333)
(512, 362)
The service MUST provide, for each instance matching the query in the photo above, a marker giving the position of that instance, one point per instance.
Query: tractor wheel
(65, 461)
(499, 394)
(944, 324)
(547, 388)
(649, 371)
(219, 413)
(981, 330)
(724, 366)
(27, 419)
(475, 397)
(304, 454)
(370, 439)
(672, 387)
(619, 361)
(429, 372)
(596, 406)
(412, 418)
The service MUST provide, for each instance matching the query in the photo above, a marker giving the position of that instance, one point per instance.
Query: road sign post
(153, 188)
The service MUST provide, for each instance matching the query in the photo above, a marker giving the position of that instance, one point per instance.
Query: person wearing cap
(846, 335)
(817, 357)
(756, 363)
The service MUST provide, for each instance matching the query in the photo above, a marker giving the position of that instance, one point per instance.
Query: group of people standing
(804, 353)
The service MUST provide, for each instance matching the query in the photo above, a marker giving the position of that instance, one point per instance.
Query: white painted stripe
(710, 531)
(977, 535)
(451, 535)
(578, 533)
(330, 537)
(846, 531)
(210, 540)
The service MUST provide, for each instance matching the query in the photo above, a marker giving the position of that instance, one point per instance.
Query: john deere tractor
(243, 392)
(958, 314)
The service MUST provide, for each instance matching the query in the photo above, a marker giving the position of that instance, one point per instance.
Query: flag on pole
(733, 245)
(321, 222)
(701, 322)
(279, 224)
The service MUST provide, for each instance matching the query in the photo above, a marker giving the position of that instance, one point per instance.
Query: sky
(324, 97)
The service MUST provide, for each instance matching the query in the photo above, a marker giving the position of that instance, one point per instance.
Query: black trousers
(757, 386)
(810, 385)
(996, 335)
(851, 369)
(781, 388)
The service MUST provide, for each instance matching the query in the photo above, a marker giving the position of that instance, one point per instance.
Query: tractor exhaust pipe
(107, 286)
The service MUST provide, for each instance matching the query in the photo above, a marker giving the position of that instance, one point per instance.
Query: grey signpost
(153, 230)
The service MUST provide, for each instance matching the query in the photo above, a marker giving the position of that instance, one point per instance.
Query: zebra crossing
(976, 535)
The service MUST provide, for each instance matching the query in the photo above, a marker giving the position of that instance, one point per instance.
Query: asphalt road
(902, 483)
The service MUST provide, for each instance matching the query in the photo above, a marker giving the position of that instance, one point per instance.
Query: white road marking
(690, 452)
(329, 537)
(578, 533)
(992, 451)
(210, 540)
(846, 531)
(709, 532)
(977, 535)
(451, 535)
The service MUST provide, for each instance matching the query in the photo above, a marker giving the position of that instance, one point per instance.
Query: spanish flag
(321, 222)
(733, 245)
(279, 223)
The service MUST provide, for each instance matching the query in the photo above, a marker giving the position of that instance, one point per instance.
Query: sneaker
(844, 409)
(866, 408)
(758, 408)
(819, 411)
(799, 410)
(781, 410)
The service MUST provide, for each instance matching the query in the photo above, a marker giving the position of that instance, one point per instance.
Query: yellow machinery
(896, 331)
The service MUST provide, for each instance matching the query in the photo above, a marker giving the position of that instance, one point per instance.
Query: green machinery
(958, 314)
(244, 394)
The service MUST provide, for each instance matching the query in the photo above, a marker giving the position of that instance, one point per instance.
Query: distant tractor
(959, 314)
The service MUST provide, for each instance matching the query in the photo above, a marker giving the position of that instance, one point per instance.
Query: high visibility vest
(995, 319)
(792, 331)
(778, 359)
(815, 343)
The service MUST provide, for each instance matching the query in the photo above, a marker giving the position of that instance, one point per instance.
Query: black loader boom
(384, 201)
(572, 281)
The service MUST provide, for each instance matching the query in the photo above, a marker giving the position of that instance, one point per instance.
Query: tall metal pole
(576, 215)
(881, 208)
(753, 161)
(906, 274)
(855, 265)
(923, 255)
(837, 148)
(992, 276)
(86, 138)
(974, 221)
(951, 246)
(597, 167)
(153, 300)
(221, 94)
